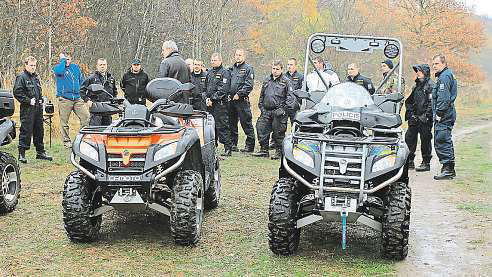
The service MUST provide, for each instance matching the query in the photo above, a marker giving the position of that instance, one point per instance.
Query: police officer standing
(355, 76)
(27, 90)
(443, 96)
(134, 82)
(242, 78)
(217, 86)
(276, 100)
(419, 115)
(103, 77)
(198, 78)
(296, 79)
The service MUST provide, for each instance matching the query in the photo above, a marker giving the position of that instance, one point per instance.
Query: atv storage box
(6, 103)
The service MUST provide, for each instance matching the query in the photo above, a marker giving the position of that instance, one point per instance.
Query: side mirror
(96, 88)
(301, 94)
(186, 86)
(394, 97)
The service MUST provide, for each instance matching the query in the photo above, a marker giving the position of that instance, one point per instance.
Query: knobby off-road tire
(212, 195)
(187, 207)
(10, 183)
(77, 208)
(283, 236)
(396, 221)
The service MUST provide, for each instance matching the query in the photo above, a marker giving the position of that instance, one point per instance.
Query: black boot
(43, 156)
(273, 145)
(262, 153)
(411, 164)
(424, 166)
(22, 155)
(248, 149)
(277, 155)
(447, 172)
(234, 148)
(227, 152)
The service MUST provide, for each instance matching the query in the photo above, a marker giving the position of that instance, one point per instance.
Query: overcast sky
(481, 7)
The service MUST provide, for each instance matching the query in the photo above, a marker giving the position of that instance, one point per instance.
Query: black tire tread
(212, 196)
(396, 221)
(77, 208)
(283, 235)
(7, 158)
(183, 209)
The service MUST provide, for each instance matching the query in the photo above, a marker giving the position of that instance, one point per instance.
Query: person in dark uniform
(217, 85)
(296, 79)
(276, 100)
(242, 79)
(443, 96)
(27, 90)
(134, 82)
(173, 66)
(198, 78)
(419, 116)
(103, 77)
(355, 76)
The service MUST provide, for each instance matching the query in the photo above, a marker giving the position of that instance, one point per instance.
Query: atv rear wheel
(212, 195)
(396, 221)
(187, 207)
(283, 235)
(77, 209)
(10, 184)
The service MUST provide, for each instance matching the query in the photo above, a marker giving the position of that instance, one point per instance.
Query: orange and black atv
(160, 158)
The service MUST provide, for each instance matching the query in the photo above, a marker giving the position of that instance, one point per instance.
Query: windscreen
(335, 55)
(347, 96)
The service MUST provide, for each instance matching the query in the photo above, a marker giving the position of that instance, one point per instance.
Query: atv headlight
(165, 151)
(89, 150)
(303, 157)
(384, 163)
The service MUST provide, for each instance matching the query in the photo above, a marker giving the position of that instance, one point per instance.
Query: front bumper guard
(337, 189)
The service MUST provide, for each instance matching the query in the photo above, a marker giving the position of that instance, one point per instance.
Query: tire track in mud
(442, 237)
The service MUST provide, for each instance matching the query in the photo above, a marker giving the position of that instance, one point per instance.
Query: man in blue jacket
(443, 97)
(69, 78)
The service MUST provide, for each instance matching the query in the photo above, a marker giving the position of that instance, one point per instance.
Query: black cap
(389, 63)
(417, 67)
(136, 61)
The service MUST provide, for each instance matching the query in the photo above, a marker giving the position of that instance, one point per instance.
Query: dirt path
(446, 241)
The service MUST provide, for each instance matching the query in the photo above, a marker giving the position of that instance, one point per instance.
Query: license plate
(345, 116)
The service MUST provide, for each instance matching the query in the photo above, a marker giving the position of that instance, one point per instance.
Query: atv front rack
(335, 139)
(128, 131)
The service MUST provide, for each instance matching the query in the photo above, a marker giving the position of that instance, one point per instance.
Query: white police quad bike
(346, 160)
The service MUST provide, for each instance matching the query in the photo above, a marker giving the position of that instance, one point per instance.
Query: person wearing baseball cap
(134, 82)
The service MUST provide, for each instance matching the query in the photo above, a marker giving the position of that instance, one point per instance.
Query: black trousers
(31, 118)
(443, 142)
(220, 112)
(240, 111)
(411, 136)
(100, 120)
(269, 123)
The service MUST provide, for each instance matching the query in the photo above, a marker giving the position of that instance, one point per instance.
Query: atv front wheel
(187, 207)
(283, 235)
(10, 184)
(396, 221)
(212, 195)
(77, 209)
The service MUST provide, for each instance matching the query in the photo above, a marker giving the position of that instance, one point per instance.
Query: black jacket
(419, 104)
(198, 79)
(363, 81)
(107, 81)
(277, 93)
(217, 84)
(26, 87)
(242, 79)
(295, 79)
(133, 85)
(173, 66)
